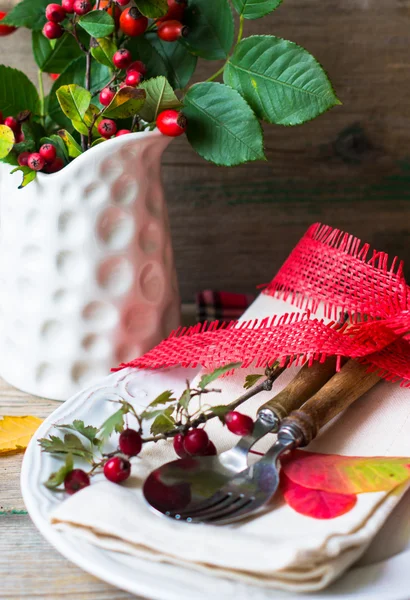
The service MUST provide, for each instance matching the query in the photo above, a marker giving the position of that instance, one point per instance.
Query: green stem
(240, 32)
(219, 72)
(41, 94)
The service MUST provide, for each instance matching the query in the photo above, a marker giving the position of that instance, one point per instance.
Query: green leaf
(28, 175)
(98, 141)
(127, 102)
(73, 148)
(71, 444)
(98, 23)
(54, 58)
(75, 73)
(180, 63)
(281, 81)
(163, 398)
(74, 101)
(17, 93)
(6, 140)
(103, 51)
(152, 8)
(113, 423)
(222, 127)
(10, 159)
(255, 9)
(83, 126)
(30, 141)
(211, 28)
(88, 431)
(159, 96)
(220, 411)
(59, 476)
(163, 422)
(210, 377)
(28, 13)
(250, 381)
(185, 398)
(140, 47)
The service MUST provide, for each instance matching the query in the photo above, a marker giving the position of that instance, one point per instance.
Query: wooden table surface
(29, 566)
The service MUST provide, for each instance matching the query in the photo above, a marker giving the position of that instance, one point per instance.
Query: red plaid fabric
(221, 306)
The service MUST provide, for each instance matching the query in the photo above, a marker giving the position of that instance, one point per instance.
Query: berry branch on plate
(168, 417)
(125, 66)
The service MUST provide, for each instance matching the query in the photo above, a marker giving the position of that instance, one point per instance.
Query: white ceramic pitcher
(87, 275)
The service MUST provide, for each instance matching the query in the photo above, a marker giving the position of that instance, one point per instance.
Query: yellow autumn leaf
(16, 432)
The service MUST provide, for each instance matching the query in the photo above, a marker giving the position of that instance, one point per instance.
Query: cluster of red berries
(194, 443)
(45, 159)
(131, 21)
(169, 122)
(116, 469)
(197, 443)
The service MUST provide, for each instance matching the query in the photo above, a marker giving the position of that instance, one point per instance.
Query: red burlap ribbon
(326, 267)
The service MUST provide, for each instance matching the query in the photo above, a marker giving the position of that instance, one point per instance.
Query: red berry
(112, 9)
(139, 66)
(107, 128)
(239, 423)
(122, 132)
(5, 29)
(23, 159)
(55, 166)
(75, 481)
(133, 78)
(179, 446)
(130, 442)
(170, 31)
(54, 76)
(35, 161)
(82, 7)
(48, 152)
(12, 123)
(122, 2)
(132, 22)
(55, 13)
(176, 9)
(68, 5)
(210, 449)
(117, 469)
(52, 31)
(122, 58)
(171, 122)
(106, 96)
(196, 442)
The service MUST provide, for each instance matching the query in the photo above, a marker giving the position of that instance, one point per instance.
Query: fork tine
(210, 502)
(224, 503)
(228, 512)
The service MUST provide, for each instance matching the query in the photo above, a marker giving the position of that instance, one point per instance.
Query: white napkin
(279, 549)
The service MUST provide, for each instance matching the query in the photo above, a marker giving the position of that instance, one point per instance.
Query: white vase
(87, 275)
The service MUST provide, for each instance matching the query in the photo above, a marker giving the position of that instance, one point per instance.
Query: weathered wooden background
(232, 228)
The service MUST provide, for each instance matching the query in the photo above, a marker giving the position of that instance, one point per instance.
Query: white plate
(387, 579)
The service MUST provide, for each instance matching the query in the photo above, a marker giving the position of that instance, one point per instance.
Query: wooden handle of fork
(304, 385)
(346, 386)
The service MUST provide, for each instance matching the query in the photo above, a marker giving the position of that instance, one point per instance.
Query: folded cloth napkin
(280, 548)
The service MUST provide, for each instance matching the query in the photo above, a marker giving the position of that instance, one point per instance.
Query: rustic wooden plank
(31, 568)
(232, 228)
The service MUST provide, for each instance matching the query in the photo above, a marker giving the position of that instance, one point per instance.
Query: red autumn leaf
(316, 503)
(346, 474)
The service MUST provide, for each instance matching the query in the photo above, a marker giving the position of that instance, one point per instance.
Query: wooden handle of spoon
(346, 386)
(305, 384)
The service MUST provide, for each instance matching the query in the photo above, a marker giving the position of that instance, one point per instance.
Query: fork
(251, 489)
